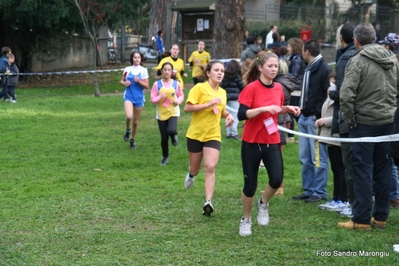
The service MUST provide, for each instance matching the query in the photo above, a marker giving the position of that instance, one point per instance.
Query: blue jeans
(232, 108)
(314, 179)
(394, 194)
(372, 170)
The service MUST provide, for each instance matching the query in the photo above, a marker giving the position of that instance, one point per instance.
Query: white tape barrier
(387, 138)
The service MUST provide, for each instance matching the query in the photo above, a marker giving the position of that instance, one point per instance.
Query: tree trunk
(158, 17)
(229, 23)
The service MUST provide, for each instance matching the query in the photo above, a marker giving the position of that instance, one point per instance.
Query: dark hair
(364, 33)
(283, 50)
(5, 50)
(232, 69)
(253, 70)
(347, 32)
(132, 55)
(210, 65)
(296, 45)
(272, 27)
(251, 39)
(313, 47)
(166, 63)
(275, 36)
(332, 74)
(159, 32)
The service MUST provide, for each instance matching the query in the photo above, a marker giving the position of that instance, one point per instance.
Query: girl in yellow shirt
(207, 102)
(177, 63)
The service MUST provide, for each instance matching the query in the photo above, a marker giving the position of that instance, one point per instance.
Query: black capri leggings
(167, 128)
(251, 154)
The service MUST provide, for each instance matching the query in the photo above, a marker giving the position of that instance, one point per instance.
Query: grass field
(73, 193)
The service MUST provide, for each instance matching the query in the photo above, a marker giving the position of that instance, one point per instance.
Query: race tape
(72, 72)
(387, 138)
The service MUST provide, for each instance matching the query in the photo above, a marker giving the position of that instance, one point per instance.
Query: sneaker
(301, 197)
(13, 101)
(164, 161)
(327, 204)
(127, 135)
(189, 181)
(132, 144)
(347, 212)
(175, 140)
(394, 203)
(236, 137)
(338, 206)
(208, 208)
(245, 227)
(263, 214)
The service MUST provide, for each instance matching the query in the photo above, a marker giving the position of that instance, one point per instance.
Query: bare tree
(229, 27)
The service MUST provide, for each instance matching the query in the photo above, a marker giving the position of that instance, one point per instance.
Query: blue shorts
(136, 101)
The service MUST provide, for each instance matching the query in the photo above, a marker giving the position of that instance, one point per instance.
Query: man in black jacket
(338, 125)
(313, 94)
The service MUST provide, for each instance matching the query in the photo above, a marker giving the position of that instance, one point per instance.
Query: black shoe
(127, 135)
(164, 161)
(175, 140)
(236, 137)
(313, 199)
(132, 144)
(300, 197)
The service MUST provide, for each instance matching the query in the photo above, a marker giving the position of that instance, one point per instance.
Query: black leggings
(167, 128)
(251, 154)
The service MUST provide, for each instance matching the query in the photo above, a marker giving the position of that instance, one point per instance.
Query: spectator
(244, 41)
(252, 50)
(233, 85)
(269, 37)
(313, 95)
(4, 61)
(198, 60)
(368, 108)
(296, 67)
(160, 47)
(10, 77)
(347, 50)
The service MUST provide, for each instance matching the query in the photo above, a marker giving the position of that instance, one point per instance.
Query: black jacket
(10, 80)
(338, 125)
(233, 87)
(297, 68)
(395, 145)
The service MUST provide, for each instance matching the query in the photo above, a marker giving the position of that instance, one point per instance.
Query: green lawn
(73, 193)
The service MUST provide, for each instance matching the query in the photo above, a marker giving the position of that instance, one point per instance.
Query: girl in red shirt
(260, 103)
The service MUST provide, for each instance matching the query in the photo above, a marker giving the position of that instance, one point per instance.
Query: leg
(164, 137)
(321, 176)
(347, 160)
(136, 118)
(11, 92)
(273, 161)
(172, 128)
(307, 154)
(250, 157)
(128, 113)
(211, 158)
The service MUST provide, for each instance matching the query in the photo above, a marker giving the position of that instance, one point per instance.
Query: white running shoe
(347, 212)
(338, 207)
(263, 214)
(189, 181)
(245, 227)
(327, 204)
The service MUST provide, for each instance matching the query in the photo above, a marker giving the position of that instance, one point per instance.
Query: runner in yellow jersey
(198, 60)
(178, 65)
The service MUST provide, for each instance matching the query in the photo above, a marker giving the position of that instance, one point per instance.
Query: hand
(215, 101)
(295, 110)
(174, 102)
(229, 120)
(185, 75)
(319, 122)
(273, 109)
(136, 79)
(127, 83)
(163, 95)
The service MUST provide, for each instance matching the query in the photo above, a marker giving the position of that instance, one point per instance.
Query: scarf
(305, 84)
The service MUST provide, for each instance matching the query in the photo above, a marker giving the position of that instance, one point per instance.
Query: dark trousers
(3, 93)
(295, 102)
(11, 92)
(251, 154)
(371, 171)
(347, 160)
(338, 169)
(167, 128)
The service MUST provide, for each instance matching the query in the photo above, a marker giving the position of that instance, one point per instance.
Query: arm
(295, 110)
(180, 94)
(123, 80)
(155, 96)
(348, 94)
(190, 108)
(142, 82)
(245, 113)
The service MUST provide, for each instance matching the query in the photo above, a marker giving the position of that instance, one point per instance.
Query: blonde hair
(253, 70)
(282, 67)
